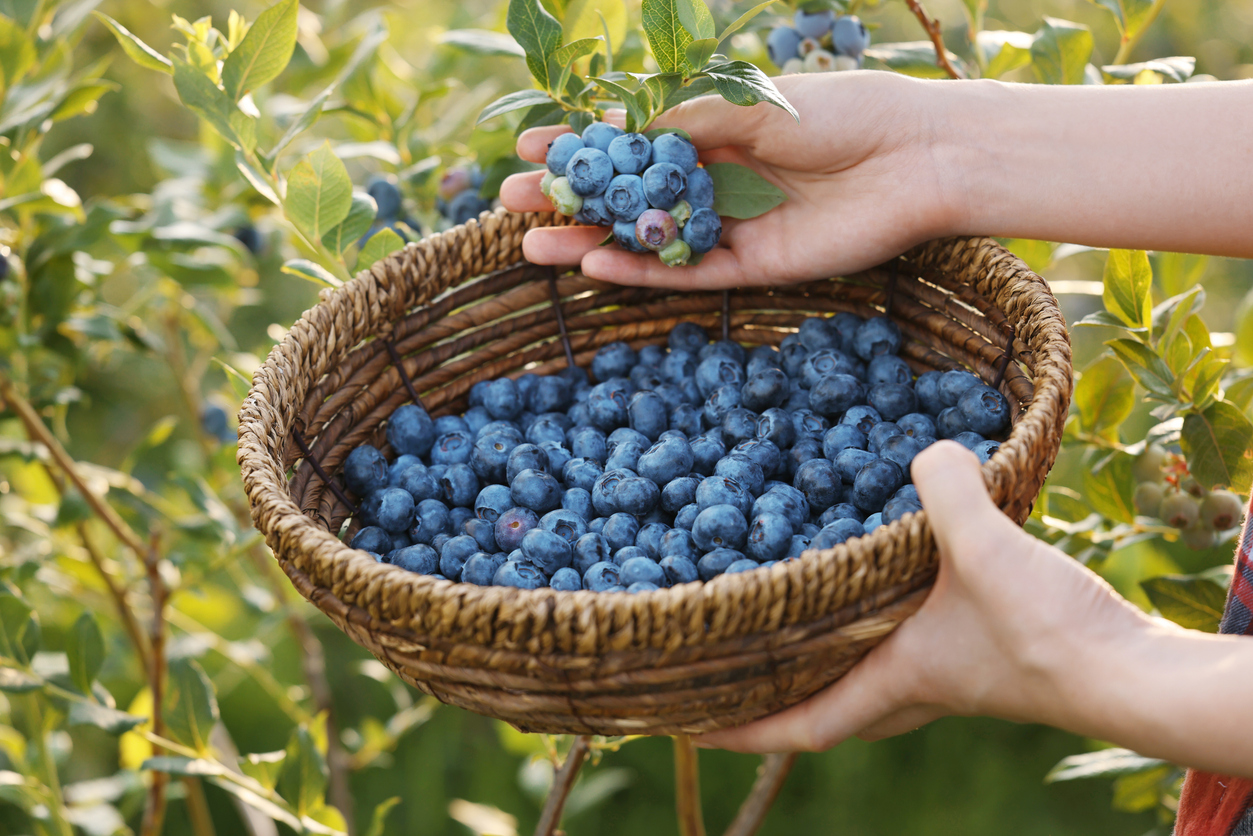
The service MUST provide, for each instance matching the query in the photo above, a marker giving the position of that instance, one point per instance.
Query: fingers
(533, 144)
(951, 488)
(906, 720)
(719, 269)
(561, 245)
(520, 193)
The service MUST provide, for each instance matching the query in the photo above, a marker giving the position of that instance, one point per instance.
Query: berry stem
(932, 26)
(563, 782)
(771, 774)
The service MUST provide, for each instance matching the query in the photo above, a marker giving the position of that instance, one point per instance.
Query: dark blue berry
(566, 580)
(720, 526)
(600, 135)
(607, 403)
(950, 423)
(783, 44)
(626, 553)
(430, 518)
(892, 400)
(678, 569)
(641, 569)
(917, 425)
(686, 419)
(613, 360)
(525, 457)
(744, 565)
(600, 577)
(686, 517)
(826, 361)
(454, 554)
(703, 230)
(483, 532)
(837, 532)
(625, 200)
(863, 418)
(876, 336)
(985, 450)
(395, 510)
(953, 384)
(418, 482)
(700, 189)
(410, 430)
(372, 538)
(768, 537)
(875, 483)
(481, 568)
(503, 400)
(620, 531)
(888, 368)
(589, 172)
(490, 456)
(743, 470)
(663, 183)
(872, 522)
(842, 437)
(985, 410)
(581, 473)
(519, 574)
(672, 148)
(783, 501)
(834, 394)
(818, 480)
(590, 549)
(879, 434)
(636, 495)
(721, 490)
(547, 550)
(762, 451)
(460, 486)
(667, 460)
(560, 150)
(706, 450)
(646, 413)
(630, 153)
(536, 490)
(365, 470)
(578, 501)
(897, 507)
(420, 558)
(493, 501)
(739, 424)
(764, 390)
(720, 402)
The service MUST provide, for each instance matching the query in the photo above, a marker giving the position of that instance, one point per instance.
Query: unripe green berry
(792, 66)
(546, 185)
(1198, 537)
(1221, 510)
(844, 63)
(1148, 465)
(1179, 510)
(819, 61)
(563, 197)
(1148, 497)
(1192, 486)
(676, 254)
(681, 211)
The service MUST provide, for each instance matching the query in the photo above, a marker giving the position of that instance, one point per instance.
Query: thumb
(951, 488)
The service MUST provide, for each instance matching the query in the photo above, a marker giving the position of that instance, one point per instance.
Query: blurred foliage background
(144, 286)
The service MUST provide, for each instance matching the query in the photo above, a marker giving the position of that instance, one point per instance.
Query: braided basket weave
(453, 309)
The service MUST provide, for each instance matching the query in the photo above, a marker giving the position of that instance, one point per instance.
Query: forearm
(1164, 692)
(1166, 167)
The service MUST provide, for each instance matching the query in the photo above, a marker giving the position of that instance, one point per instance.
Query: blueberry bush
(174, 191)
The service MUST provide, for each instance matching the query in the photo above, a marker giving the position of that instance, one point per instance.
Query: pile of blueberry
(652, 193)
(680, 463)
(458, 198)
(818, 43)
(1165, 489)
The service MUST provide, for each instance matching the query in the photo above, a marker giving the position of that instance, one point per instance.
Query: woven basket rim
(281, 519)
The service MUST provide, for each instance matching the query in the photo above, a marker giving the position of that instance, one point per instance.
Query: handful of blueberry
(669, 464)
(653, 193)
(818, 42)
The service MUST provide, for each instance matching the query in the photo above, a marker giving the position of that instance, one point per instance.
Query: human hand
(998, 634)
(861, 182)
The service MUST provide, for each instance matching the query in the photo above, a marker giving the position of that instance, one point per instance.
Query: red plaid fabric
(1219, 805)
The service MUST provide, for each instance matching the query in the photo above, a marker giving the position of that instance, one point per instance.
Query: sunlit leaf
(264, 51)
(1060, 51)
(1192, 602)
(1216, 444)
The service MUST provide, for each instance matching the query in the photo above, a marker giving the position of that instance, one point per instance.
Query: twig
(932, 25)
(154, 809)
(771, 774)
(119, 595)
(563, 782)
(38, 431)
(198, 808)
(687, 787)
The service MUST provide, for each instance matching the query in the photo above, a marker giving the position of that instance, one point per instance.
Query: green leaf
(1179, 271)
(355, 224)
(537, 32)
(17, 681)
(666, 34)
(19, 630)
(1130, 15)
(694, 16)
(701, 86)
(1192, 602)
(1104, 397)
(302, 780)
(1106, 319)
(637, 116)
(1142, 791)
(379, 818)
(575, 50)
(191, 708)
(1149, 370)
(740, 192)
(264, 51)
(256, 178)
(1169, 316)
(1216, 445)
(135, 49)
(1060, 51)
(1106, 763)
(1208, 378)
(319, 192)
(741, 21)
(84, 647)
(913, 58)
(199, 92)
(1176, 68)
(742, 83)
(1004, 51)
(656, 132)
(263, 767)
(102, 717)
(1108, 489)
(483, 42)
(381, 244)
(1128, 282)
(310, 271)
(699, 52)
(17, 53)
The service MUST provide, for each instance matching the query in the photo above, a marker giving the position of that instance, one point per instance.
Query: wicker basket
(460, 307)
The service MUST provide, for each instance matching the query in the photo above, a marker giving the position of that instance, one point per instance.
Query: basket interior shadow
(428, 322)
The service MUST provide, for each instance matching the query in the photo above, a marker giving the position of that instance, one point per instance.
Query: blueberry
(985, 410)
(875, 483)
(849, 36)
(953, 384)
(686, 516)
(536, 490)
(663, 183)
(453, 447)
(566, 524)
(503, 400)
(808, 424)
(492, 501)
(365, 470)
(787, 503)
(589, 172)
(678, 542)
(649, 538)
(818, 480)
(678, 569)
(825, 361)
(600, 577)
(483, 532)
(768, 537)
(985, 450)
(625, 199)
(625, 455)
(396, 470)
(716, 371)
(460, 486)
(566, 580)
(927, 388)
(458, 516)
(600, 135)
(917, 425)
(720, 526)
(720, 402)
(557, 455)
(525, 457)
(743, 470)
(630, 153)
(647, 377)
(814, 25)
(465, 207)
(513, 526)
(799, 545)
(834, 394)
(762, 451)
(743, 565)
(816, 334)
(837, 532)
(372, 538)
(551, 394)
(519, 574)
(642, 569)
(841, 511)
(879, 434)
(481, 568)
(872, 522)
(842, 437)
(560, 150)
(476, 418)
(593, 212)
(410, 430)
(646, 413)
(547, 550)
(438, 541)
(642, 586)
(765, 390)
(578, 501)
(716, 562)
(703, 230)
(581, 473)
(897, 507)
(590, 549)
(613, 360)
(721, 490)
(706, 450)
(420, 558)
(686, 419)
(892, 400)
(395, 510)
(863, 418)
(622, 555)
(603, 490)
(607, 403)
(783, 44)
(901, 449)
(588, 443)
(386, 197)
(418, 482)
(888, 368)
(636, 495)
(430, 519)
(776, 426)
(950, 423)
(876, 336)
(739, 424)
(454, 554)
(674, 149)
(699, 193)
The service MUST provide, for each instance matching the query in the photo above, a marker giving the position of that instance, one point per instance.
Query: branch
(119, 595)
(154, 809)
(932, 25)
(771, 774)
(687, 787)
(563, 782)
(198, 807)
